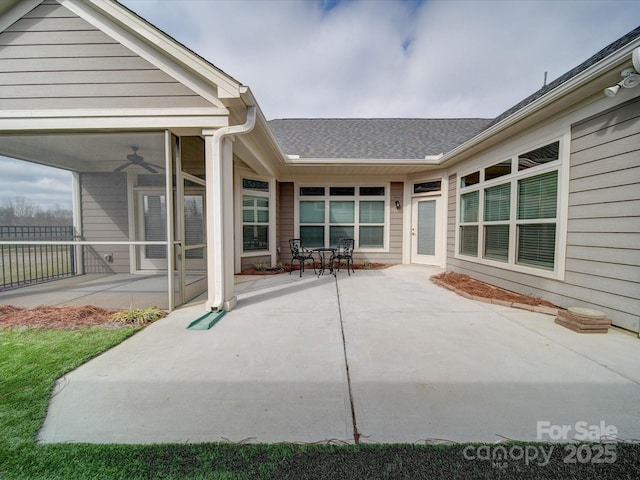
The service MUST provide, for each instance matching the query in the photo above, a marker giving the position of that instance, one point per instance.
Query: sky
(382, 58)
(391, 58)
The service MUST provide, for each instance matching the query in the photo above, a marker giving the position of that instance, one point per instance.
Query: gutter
(217, 247)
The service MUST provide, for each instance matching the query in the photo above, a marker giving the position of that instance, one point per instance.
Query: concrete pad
(445, 368)
(425, 365)
(264, 373)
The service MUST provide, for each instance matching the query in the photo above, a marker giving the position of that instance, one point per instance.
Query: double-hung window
(508, 210)
(255, 215)
(329, 213)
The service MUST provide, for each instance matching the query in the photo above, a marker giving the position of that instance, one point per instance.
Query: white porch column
(219, 199)
(220, 247)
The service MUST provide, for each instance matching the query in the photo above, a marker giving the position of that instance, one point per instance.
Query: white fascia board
(119, 119)
(156, 47)
(295, 160)
(553, 95)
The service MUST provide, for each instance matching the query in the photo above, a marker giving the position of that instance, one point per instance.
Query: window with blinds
(509, 214)
(537, 204)
(497, 207)
(255, 215)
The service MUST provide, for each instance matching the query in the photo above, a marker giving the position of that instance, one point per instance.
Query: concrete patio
(384, 353)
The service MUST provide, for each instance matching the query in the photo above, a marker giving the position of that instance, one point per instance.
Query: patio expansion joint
(356, 433)
(626, 377)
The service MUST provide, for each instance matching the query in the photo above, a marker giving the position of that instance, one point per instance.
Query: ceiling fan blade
(147, 167)
(155, 165)
(121, 167)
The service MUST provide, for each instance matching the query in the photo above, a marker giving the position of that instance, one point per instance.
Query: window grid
(255, 215)
(360, 214)
(497, 224)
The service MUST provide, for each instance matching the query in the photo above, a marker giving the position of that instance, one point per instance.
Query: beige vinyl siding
(104, 218)
(284, 219)
(53, 59)
(451, 217)
(602, 267)
(251, 262)
(603, 241)
(396, 230)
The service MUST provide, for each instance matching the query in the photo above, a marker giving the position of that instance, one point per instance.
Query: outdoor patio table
(325, 254)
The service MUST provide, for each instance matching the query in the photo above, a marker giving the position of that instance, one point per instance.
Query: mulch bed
(64, 318)
(476, 288)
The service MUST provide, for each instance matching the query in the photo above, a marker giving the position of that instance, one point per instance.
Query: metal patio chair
(300, 254)
(344, 251)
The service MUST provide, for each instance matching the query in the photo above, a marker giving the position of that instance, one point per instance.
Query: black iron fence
(26, 264)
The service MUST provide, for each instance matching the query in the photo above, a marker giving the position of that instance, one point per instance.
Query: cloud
(364, 58)
(44, 186)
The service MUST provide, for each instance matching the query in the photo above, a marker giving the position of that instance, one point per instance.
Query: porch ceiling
(84, 152)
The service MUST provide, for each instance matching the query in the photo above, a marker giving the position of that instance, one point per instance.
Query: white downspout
(216, 246)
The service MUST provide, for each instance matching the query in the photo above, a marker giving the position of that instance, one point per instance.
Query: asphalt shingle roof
(385, 138)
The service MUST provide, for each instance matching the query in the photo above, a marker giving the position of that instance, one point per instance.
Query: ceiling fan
(135, 159)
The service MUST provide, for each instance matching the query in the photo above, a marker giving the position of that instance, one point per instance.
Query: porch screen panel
(194, 225)
(155, 225)
(426, 244)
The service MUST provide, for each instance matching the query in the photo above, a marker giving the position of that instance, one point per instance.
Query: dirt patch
(63, 318)
(476, 288)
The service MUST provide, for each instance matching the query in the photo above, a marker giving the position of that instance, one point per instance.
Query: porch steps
(206, 321)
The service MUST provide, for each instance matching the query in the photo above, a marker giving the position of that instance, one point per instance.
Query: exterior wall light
(398, 205)
(630, 76)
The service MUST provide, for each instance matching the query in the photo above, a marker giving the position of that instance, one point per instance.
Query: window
(497, 205)
(511, 217)
(255, 215)
(427, 187)
(537, 204)
(346, 212)
(539, 156)
(471, 179)
(468, 223)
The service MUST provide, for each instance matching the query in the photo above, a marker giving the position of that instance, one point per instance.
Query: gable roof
(368, 138)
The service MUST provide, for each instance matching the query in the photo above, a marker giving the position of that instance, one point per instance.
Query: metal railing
(26, 264)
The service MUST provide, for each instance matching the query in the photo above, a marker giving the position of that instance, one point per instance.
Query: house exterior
(177, 170)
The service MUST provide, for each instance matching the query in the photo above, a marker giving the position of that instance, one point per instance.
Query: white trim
(168, 153)
(76, 199)
(272, 252)
(26, 121)
(441, 215)
(131, 220)
(116, 112)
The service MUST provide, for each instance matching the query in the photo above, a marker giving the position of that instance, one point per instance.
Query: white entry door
(426, 245)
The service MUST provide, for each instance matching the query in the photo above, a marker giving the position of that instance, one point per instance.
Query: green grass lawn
(31, 361)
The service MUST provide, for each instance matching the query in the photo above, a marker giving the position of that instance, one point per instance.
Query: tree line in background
(22, 211)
